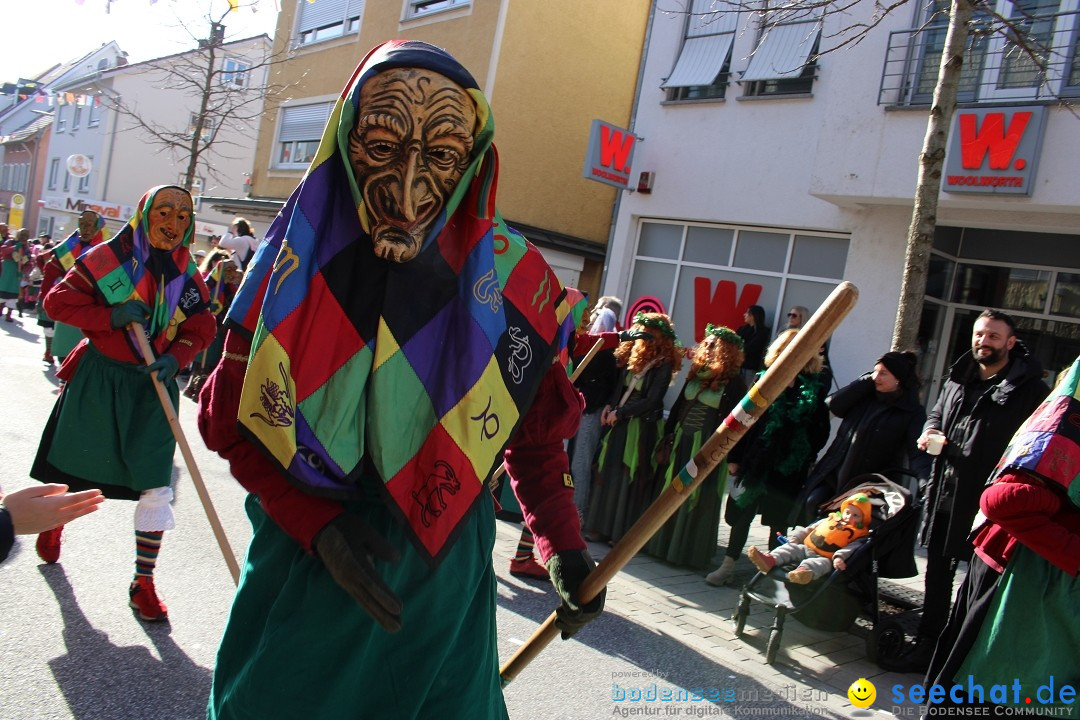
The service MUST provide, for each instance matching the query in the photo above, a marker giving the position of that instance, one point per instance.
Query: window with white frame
(327, 19)
(5, 177)
(54, 172)
(784, 61)
(67, 180)
(207, 133)
(421, 8)
(299, 131)
(703, 66)
(93, 116)
(234, 73)
(61, 119)
(76, 118)
(1034, 54)
(84, 181)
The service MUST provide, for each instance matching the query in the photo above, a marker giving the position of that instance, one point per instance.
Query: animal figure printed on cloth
(486, 291)
(431, 497)
(277, 401)
(520, 354)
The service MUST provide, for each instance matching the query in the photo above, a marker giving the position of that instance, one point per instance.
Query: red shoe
(528, 568)
(47, 359)
(144, 599)
(48, 545)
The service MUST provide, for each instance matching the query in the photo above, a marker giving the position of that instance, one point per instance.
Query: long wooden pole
(778, 377)
(189, 459)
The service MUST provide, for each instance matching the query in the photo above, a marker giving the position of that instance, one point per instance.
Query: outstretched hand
(45, 507)
(568, 569)
(631, 335)
(348, 547)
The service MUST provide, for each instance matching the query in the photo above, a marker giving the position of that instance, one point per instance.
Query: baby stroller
(834, 601)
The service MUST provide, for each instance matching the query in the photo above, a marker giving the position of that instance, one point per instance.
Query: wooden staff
(577, 371)
(775, 380)
(189, 459)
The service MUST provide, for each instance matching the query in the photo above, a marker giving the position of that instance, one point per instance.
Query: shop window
(1008, 288)
(703, 67)
(819, 256)
(939, 277)
(758, 250)
(1066, 295)
(328, 19)
(709, 245)
(660, 240)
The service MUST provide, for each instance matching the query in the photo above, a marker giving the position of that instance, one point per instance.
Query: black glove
(568, 569)
(129, 311)
(166, 366)
(631, 335)
(348, 546)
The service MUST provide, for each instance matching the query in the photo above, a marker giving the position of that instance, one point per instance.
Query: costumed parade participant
(221, 272)
(626, 477)
(108, 429)
(61, 338)
(367, 449)
(14, 254)
(821, 546)
(712, 388)
(1015, 612)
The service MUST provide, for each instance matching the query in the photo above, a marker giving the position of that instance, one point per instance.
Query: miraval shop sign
(994, 150)
(110, 211)
(610, 154)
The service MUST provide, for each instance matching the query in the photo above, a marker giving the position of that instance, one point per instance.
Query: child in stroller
(822, 546)
(833, 602)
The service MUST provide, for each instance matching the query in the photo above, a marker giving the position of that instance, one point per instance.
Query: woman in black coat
(882, 419)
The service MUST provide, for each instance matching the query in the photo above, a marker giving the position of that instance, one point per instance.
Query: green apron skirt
(107, 431)
(9, 279)
(65, 338)
(298, 646)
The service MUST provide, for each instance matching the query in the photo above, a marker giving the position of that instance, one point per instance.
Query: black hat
(901, 365)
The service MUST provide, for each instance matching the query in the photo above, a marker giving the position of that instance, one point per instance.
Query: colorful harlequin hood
(1047, 445)
(127, 267)
(417, 372)
(67, 251)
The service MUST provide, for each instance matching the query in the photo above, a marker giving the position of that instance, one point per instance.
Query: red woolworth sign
(994, 150)
(720, 306)
(609, 155)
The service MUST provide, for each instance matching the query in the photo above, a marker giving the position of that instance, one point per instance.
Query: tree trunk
(920, 239)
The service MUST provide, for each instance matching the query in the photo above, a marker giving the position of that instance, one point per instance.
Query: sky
(42, 33)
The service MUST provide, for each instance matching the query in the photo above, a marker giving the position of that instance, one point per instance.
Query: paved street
(71, 648)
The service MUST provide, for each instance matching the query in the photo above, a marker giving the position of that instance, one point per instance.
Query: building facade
(779, 172)
(548, 68)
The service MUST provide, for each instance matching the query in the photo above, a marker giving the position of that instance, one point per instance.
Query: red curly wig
(720, 359)
(637, 354)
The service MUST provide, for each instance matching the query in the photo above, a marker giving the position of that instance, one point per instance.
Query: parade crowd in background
(337, 531)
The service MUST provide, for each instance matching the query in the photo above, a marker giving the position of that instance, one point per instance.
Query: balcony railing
(997, 67)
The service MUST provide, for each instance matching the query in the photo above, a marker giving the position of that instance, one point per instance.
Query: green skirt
(9, 279)
(297, 646)
(1030, 633)
(107, 431)
(65, 338)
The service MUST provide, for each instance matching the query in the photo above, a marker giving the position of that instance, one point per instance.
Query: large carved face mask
(169, 218)
(88, 225)
(410, 147)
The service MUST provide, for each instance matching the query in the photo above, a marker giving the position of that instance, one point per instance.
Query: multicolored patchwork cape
(221, 292)
(417, 372)
(128, 268)
(1047, 445)
(68, 251)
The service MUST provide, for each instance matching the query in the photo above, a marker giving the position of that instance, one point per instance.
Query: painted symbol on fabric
(567, 480)
(486, 290)
(489, 422)
(310, 458)
(276, 401)
(287, 261)
(521, 354)
(190, 299)
(502, 244)
(431, 497)
(116, 285)
(545, 290)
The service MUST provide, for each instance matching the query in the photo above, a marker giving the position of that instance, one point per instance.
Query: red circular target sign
(645, 304)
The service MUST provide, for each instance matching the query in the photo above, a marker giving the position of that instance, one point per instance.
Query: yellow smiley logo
(862, 693)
